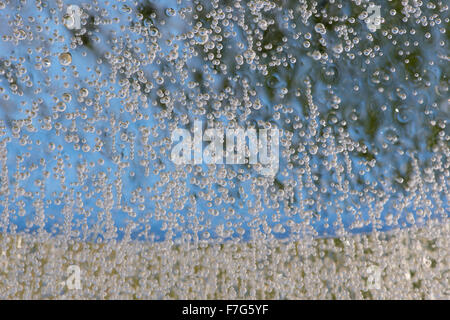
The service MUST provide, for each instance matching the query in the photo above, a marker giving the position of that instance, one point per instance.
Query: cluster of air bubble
(86, 116)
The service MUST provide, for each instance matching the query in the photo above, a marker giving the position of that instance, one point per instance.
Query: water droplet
(262, 24)
(67, 97)
(127, 9)
(316, 55)
(65, 58)
(403, 114)
(338, 48)
(320, 28)
(170, 12)
(84, 92)
(61, 107)
(20, 34)
(46, 62)
(154, 32)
